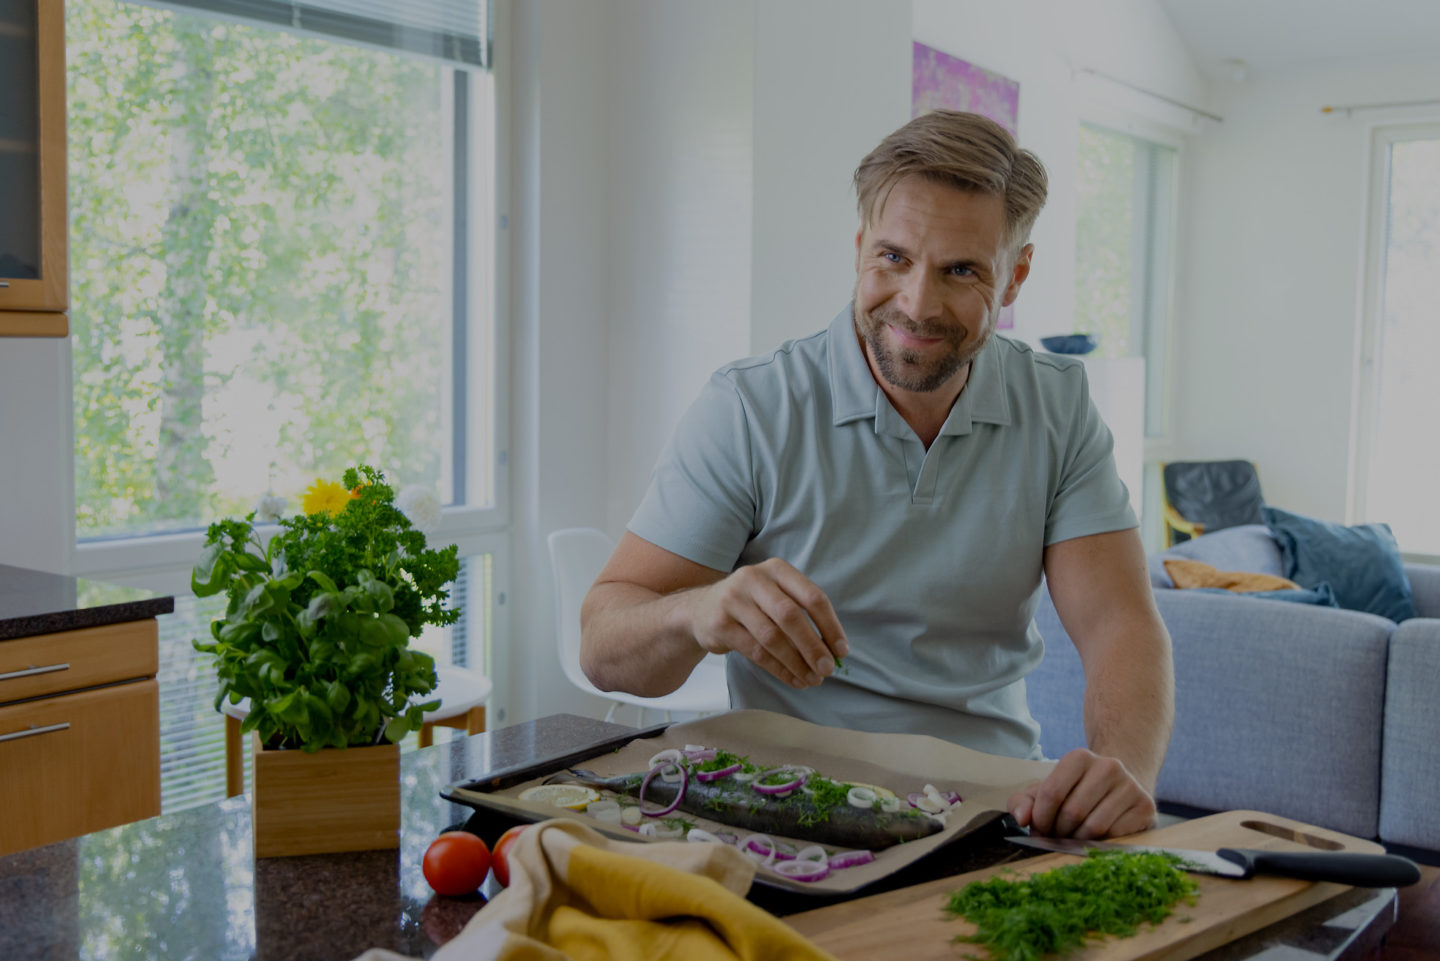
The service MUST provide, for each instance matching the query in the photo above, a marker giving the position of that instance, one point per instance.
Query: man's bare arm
(652, 615)
(1101, 591)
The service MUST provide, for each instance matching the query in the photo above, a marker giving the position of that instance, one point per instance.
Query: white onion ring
(805, 871)
(925, 803)
(671, 760)
(813, 853)
(604, 810)
(700, 835)
(679, 794)
(661, 832)
(861, 797)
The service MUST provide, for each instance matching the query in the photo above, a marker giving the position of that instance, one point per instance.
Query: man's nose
(920, 295)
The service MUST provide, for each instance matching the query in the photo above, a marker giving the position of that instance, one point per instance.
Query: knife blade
(1343, 867)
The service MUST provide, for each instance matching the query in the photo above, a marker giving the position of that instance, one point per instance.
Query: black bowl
(1070, 343)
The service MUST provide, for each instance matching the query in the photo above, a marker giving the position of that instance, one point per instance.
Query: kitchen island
(186, 884)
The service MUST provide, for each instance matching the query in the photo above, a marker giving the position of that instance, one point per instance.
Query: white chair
(577, 555)
(462, 693)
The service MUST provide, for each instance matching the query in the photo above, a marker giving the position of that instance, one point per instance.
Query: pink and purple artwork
(943, 81)
(949, 82)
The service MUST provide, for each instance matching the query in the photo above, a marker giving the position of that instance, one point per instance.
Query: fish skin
(846, 827)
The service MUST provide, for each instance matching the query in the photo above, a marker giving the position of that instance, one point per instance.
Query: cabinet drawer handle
(48, 668)
(15, 736)
(4, 283)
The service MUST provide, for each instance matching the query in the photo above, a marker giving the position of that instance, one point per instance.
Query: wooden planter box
(336, 799)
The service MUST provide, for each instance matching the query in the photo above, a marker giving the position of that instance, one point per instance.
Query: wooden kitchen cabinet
(34, 272)
(79, 732)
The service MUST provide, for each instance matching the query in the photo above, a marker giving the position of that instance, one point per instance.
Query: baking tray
(897, 760)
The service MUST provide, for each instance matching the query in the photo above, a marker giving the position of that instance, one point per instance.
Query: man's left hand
(1086, 796)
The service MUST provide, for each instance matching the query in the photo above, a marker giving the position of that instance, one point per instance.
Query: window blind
(456, 31)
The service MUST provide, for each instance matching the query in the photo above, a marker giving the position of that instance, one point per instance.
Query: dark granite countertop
(186, 885)
(33, 602)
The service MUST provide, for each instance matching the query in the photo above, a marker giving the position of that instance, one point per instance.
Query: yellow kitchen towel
(576, 895)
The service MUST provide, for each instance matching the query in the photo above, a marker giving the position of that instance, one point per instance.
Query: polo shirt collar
(856, 396)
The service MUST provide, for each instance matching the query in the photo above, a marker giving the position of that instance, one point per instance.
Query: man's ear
(1018, 274)
(859, 236)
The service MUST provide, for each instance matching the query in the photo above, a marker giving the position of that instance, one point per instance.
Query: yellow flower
(324, 497)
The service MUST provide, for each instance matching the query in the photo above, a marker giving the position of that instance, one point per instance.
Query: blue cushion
(1320, 595)
(1361, 564)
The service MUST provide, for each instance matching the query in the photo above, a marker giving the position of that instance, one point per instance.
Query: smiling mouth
(912, 340)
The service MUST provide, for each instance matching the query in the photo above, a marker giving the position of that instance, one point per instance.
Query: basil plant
(317, 630)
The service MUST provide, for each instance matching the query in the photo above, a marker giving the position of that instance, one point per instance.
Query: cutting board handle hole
(1290, 834)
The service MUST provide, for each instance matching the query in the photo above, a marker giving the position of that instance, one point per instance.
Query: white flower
(269, 508)
(421, 505)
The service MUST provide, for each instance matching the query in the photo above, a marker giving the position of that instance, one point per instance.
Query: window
(1124, 225)
(281, 257)
(1397, 459)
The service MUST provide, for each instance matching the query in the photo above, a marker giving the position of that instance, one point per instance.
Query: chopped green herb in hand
(1109, 893)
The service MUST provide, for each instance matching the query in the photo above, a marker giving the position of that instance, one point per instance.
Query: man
(889, 491)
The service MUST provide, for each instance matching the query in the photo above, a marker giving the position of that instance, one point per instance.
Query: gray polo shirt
(932, 559)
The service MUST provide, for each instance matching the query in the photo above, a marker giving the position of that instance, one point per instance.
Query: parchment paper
(901, 762)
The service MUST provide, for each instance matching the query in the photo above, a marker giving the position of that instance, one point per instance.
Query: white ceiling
(1275, 35)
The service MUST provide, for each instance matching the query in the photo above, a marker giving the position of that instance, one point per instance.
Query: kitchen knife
(1342, 867)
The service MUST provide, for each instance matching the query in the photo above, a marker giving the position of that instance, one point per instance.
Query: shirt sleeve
(701, 502)
(1090, 497)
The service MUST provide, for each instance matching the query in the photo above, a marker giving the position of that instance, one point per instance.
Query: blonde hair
(963, 150)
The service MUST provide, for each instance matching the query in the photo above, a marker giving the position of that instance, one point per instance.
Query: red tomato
(501, 863)
(456, 863)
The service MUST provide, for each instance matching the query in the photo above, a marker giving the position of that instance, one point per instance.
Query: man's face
(932, 272)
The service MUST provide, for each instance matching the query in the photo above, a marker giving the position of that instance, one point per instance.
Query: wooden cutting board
(911, 922)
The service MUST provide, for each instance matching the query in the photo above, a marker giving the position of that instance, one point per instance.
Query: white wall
(37, 520)
(831, 80)
(663, 199)
(1271, 287)
(677, 243)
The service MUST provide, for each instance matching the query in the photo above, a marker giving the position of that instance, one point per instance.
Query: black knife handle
(1360, 870)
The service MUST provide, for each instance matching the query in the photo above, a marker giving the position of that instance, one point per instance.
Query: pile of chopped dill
(1109, 893)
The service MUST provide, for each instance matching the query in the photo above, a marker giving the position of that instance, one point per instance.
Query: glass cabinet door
(32, 157)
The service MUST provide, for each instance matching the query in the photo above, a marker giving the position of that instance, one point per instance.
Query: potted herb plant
(316, 635)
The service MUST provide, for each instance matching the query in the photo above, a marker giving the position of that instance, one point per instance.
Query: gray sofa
(1327, 716)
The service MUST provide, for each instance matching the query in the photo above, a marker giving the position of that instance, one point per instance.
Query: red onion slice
(770, 849)
(717, 774)
(787, 787)
(850, 859)
(679, 794)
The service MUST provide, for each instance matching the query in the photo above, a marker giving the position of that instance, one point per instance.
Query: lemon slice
(572, 796)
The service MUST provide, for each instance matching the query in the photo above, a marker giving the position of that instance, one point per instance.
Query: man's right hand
(652, 615)
(775, 616)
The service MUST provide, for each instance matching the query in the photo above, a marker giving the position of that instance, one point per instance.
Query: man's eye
(891, 256)
(960, 270)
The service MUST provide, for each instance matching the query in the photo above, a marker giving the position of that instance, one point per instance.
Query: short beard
(904, 369)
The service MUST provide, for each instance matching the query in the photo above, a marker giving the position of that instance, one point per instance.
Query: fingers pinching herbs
(773, 615)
